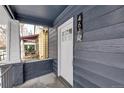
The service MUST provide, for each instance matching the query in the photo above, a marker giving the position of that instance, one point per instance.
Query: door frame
(59, 43)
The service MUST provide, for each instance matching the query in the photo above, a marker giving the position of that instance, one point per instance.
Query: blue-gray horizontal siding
(53, 47)
(35, 69)
(99, 58)
(108, 19)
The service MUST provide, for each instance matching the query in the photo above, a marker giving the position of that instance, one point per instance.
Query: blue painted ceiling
(37, 14)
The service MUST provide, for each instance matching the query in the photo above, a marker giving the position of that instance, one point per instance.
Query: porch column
(22, 49)
(14, 42)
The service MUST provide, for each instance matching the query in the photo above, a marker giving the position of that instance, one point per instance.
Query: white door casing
(65, 51)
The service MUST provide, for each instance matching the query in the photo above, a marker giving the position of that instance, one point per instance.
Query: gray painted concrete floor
(46, 81)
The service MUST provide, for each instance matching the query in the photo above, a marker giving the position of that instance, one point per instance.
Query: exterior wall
(53, 47)
(37, 68)
(98, 59)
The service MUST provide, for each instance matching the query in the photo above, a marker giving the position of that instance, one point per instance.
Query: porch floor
(46, 81)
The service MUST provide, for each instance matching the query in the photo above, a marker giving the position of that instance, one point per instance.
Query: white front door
(66, 51)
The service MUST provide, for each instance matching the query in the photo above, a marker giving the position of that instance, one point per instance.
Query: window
(34, 42)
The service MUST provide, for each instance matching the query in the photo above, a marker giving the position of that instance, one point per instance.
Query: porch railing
(4, 77)
(17, 73)
(2, 55)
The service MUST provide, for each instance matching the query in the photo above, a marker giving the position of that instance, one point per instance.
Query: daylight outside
(34, 42)
(61, 46)
(2, 42)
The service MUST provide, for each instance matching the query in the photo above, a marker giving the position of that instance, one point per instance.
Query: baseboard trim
(68, 85)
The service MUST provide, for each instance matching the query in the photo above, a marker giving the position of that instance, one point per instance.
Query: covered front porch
(35, 74)
(25, 61)
(84, 45)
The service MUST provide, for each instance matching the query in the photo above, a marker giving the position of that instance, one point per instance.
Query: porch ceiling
(37, 14)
